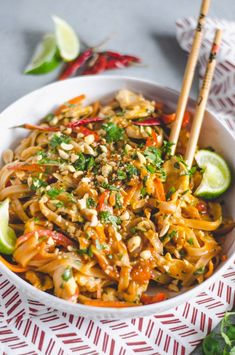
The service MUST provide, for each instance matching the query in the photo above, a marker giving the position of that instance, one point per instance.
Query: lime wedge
(45, 58)
(66, 38)
(216, 177)
(7, 234)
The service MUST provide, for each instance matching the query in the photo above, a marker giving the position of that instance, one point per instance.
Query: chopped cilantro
(121, 175)
(190, 241)
(80, 163)
(143, 192)
(153, 154)
(133, 230)
(90, 163)
(151, 169)
(45, 160)
(84, 162)
(54, 192)
(170, 192)
(90, 202)
(107, 218)
(56, 140)
(67, 274)
(131, 170)
(37, 183)
(109, 187)
(166, 148)
(172, 234)
(118, 200)
(59, 204)
(113, 132)
(199, 271)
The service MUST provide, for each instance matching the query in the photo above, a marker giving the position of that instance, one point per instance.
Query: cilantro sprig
(113, 132)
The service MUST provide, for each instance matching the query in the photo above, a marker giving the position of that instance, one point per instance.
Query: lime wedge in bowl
(7, 234)
(66, 38)
(46, 56)
(216, 177)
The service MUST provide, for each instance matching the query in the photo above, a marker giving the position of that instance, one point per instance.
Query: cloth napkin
(222, 94)
(29, 327)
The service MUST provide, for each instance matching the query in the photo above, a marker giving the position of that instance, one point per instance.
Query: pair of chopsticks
(187, 83)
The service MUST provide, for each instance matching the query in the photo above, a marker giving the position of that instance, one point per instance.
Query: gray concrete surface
(142, 27)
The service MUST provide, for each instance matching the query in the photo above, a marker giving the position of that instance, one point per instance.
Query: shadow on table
(176, 56)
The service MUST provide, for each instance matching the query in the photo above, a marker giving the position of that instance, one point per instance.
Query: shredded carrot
(102, 198)
(186, 119)
(152, 140)
(12, 267)
(114, 304)
(101, 234)
(159, 297)
(130, 194)
(27, 167)
(74, 101)
(167, 119)
(159, 190)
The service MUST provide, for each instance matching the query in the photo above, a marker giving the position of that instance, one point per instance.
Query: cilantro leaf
(107, 218)
(56, 140)
(113, 132)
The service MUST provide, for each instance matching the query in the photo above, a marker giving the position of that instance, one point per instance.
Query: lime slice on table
(7, 234)
(216, 177)
(66, 38)
(46, 56)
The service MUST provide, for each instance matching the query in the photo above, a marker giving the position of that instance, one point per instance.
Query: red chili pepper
(98, 67)
(73, 66)
(32, 127)
(114, 54)
(59, 238)
(117, 63)
(148, 122)
(132, 58)
(128, 58)
(85, 121)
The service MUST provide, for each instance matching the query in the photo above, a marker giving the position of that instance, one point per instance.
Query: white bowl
(34, 106)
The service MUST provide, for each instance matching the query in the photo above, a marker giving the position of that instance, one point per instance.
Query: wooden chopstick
(202, 100)
(188, 75)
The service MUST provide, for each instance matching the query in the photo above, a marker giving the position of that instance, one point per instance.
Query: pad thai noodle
(102, 211)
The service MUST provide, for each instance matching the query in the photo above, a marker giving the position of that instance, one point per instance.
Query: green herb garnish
(37, 183)
(170, 192)
(67, 274)
(90, 202)
(107, 218)
(121, 175)
(56, 140)
(113, 132)
(199, 271)
(54, 192)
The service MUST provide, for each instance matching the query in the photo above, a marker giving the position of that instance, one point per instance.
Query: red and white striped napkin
(29, 327)
(222, 94)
